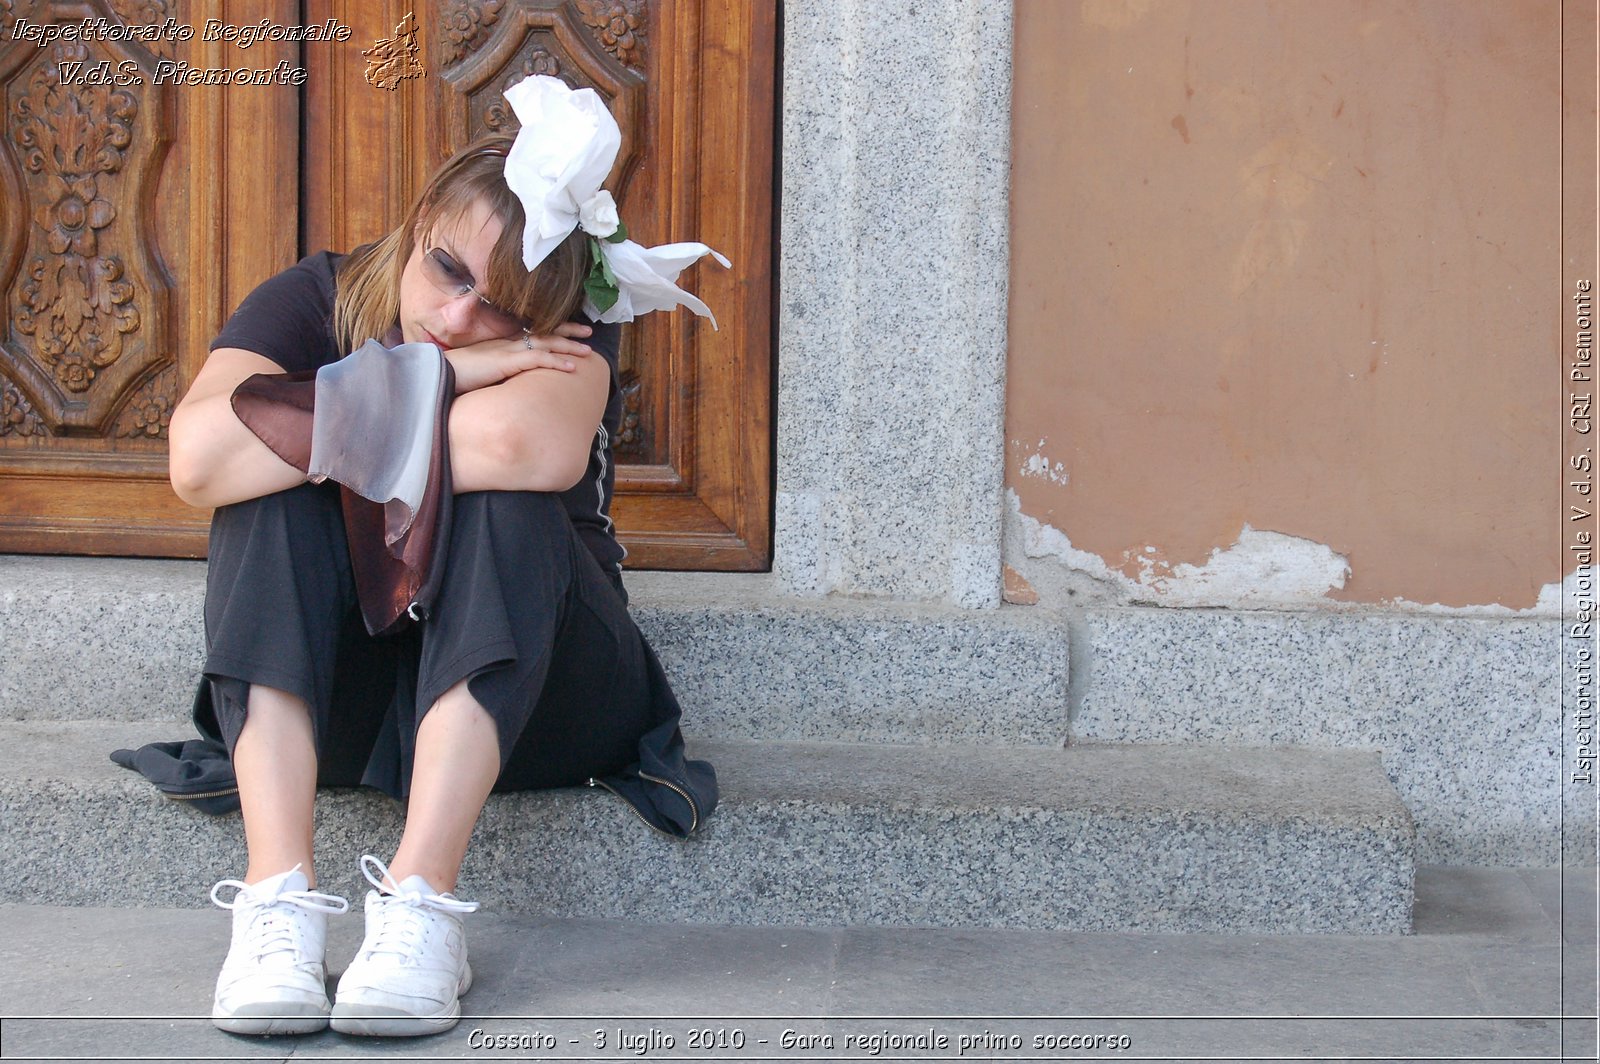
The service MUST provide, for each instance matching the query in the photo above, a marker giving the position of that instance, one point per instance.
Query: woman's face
(431, 314)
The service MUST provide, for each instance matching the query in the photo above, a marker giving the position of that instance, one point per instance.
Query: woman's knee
(298, 518)
(275, 559)
(514, 510)
(508, 541)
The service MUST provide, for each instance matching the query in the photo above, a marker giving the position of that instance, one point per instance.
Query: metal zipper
(694, 810)
(207, 794)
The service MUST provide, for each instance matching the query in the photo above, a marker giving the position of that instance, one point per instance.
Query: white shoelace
(402, 922)
(274, 931)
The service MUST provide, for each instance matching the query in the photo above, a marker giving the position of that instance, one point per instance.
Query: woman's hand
(492, 361)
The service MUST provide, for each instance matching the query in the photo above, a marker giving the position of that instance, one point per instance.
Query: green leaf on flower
(603, 296)
(620, 235)
(604, 263)
(600, 284)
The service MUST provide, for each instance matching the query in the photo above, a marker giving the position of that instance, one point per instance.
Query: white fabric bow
(562, 154)
(645, 279)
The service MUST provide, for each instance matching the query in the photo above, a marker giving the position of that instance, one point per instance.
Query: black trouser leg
(545, 638)
(281, 612)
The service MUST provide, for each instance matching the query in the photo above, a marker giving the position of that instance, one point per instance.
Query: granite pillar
(892, 304)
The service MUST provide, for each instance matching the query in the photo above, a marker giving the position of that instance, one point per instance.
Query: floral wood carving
(143, 12)
(630, 434)
(75, 303)
(11, 10)
(498, 117)
(619, 24)
(149, 412)
(148, 13)
(17, 418)
(464, 25)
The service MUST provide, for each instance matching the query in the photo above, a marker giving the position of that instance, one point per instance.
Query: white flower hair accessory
(598, 215)
(563, 152)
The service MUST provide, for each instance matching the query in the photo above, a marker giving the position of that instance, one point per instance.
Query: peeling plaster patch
(1037, 465)
(1262, 569)
(1549, 603)
(1559, 599)
(1040, 540)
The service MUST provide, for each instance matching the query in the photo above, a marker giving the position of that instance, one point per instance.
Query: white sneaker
(411, 970)
(274, 980)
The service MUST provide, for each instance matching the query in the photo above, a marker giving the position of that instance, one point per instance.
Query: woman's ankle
(263, 869)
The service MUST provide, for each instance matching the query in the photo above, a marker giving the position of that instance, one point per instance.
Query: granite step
(115, 638)
(1086, 838)
(1468, 711)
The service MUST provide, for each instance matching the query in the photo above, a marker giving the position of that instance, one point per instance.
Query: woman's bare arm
(531, 432)
(213, 459)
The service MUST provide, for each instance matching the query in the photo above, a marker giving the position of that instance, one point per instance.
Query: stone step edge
(814, 834)
(1314, 784)
(744, 661)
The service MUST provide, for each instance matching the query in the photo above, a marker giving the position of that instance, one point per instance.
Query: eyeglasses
(455, 280)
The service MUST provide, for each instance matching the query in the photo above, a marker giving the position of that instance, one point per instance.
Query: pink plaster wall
(1293, 264)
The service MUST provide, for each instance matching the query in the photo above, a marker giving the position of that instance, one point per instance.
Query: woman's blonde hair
(367, 303)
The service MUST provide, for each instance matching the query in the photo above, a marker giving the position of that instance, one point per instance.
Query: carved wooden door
(133, 216)
(691, 83)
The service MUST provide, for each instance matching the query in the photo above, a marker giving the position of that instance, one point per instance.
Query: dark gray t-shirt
(289, 319)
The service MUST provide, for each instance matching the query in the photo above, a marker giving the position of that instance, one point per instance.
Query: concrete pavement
(1498, 957)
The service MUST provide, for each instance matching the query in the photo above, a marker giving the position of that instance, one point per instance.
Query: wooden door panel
(116, 266)
(134, 218)
(691, 84)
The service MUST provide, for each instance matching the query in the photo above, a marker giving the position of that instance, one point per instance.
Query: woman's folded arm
(213, 458)
(532, 432)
